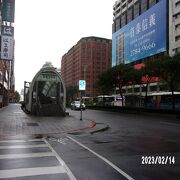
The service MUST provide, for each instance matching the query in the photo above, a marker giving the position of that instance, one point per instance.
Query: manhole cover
(31, 124)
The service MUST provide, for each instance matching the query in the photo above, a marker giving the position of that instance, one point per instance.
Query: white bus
(108, 100)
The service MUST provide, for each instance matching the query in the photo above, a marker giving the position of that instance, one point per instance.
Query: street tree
(17, 96)
(167, 68)
(170, 73)
(151, 72)
(105, 82)
(121, 74)
(71, 92)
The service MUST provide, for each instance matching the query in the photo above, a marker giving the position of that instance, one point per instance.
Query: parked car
(75, 105)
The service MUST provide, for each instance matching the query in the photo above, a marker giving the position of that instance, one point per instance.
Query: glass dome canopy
(46, 94)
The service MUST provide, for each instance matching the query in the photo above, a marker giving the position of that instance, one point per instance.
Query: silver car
(75, 105)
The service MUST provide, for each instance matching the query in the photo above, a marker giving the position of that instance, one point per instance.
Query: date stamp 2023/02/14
(159, 160)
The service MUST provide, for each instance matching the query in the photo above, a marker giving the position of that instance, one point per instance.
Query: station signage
(82, 85)
(48, 77)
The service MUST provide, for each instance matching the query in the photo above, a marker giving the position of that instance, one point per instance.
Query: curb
(106, 127)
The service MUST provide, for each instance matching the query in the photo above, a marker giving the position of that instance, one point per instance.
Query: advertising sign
(8, 9)
(7, 47)
(143, 37)
(7, 31)
(7, 42)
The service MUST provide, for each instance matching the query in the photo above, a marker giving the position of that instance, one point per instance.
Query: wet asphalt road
(145, 146)
(136, 146)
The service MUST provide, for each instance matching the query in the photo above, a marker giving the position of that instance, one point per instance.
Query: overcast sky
(46, 29)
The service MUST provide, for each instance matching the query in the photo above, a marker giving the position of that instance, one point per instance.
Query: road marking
(60, 140)
(29, 155)
(168, 123)
(16, 141)
(18, 112)
(23, 146)
(34, 171)
(68, 171)
(22, 172)
(103, 158)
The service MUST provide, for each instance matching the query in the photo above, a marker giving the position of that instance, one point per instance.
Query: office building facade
(174, 26)
(143, 29)
(86, 61)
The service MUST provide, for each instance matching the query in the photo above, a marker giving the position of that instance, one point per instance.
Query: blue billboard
(143, 37)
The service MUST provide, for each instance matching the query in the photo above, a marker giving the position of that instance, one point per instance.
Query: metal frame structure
(46, 94)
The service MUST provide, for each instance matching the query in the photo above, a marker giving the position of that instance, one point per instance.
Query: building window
(118, 5)
(144, 5)
(118, 11)
(177, 4)
(130, 90)
(153, 88)
(136, 10)
(123, 19)
(136, 90)
(129, 1)
(177, 50)
(152, 3)
(129, 15)
(177, 38)
(117, 23)
(176, 15)
(123, 6)
(177, 26)
(113, 28)
(143, 89)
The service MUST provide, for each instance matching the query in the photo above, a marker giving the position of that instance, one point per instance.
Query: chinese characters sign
(8, 31)
(48, 77)
(143, 25)
(7, 43)
(143, 37)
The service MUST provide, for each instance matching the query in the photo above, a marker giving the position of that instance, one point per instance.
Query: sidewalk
(14, 122)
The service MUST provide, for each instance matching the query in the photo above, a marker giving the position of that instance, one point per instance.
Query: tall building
(174, 26)
(143, 29)
(7, 79)
(86, 61)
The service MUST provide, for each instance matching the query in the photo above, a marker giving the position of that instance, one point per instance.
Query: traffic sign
(82, 85)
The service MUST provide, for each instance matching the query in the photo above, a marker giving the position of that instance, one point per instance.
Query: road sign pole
(81, 107)
(82, 87)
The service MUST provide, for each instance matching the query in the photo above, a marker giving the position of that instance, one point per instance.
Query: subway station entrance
(46, 94)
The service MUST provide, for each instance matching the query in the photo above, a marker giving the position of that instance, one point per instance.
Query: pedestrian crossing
(31, 159)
